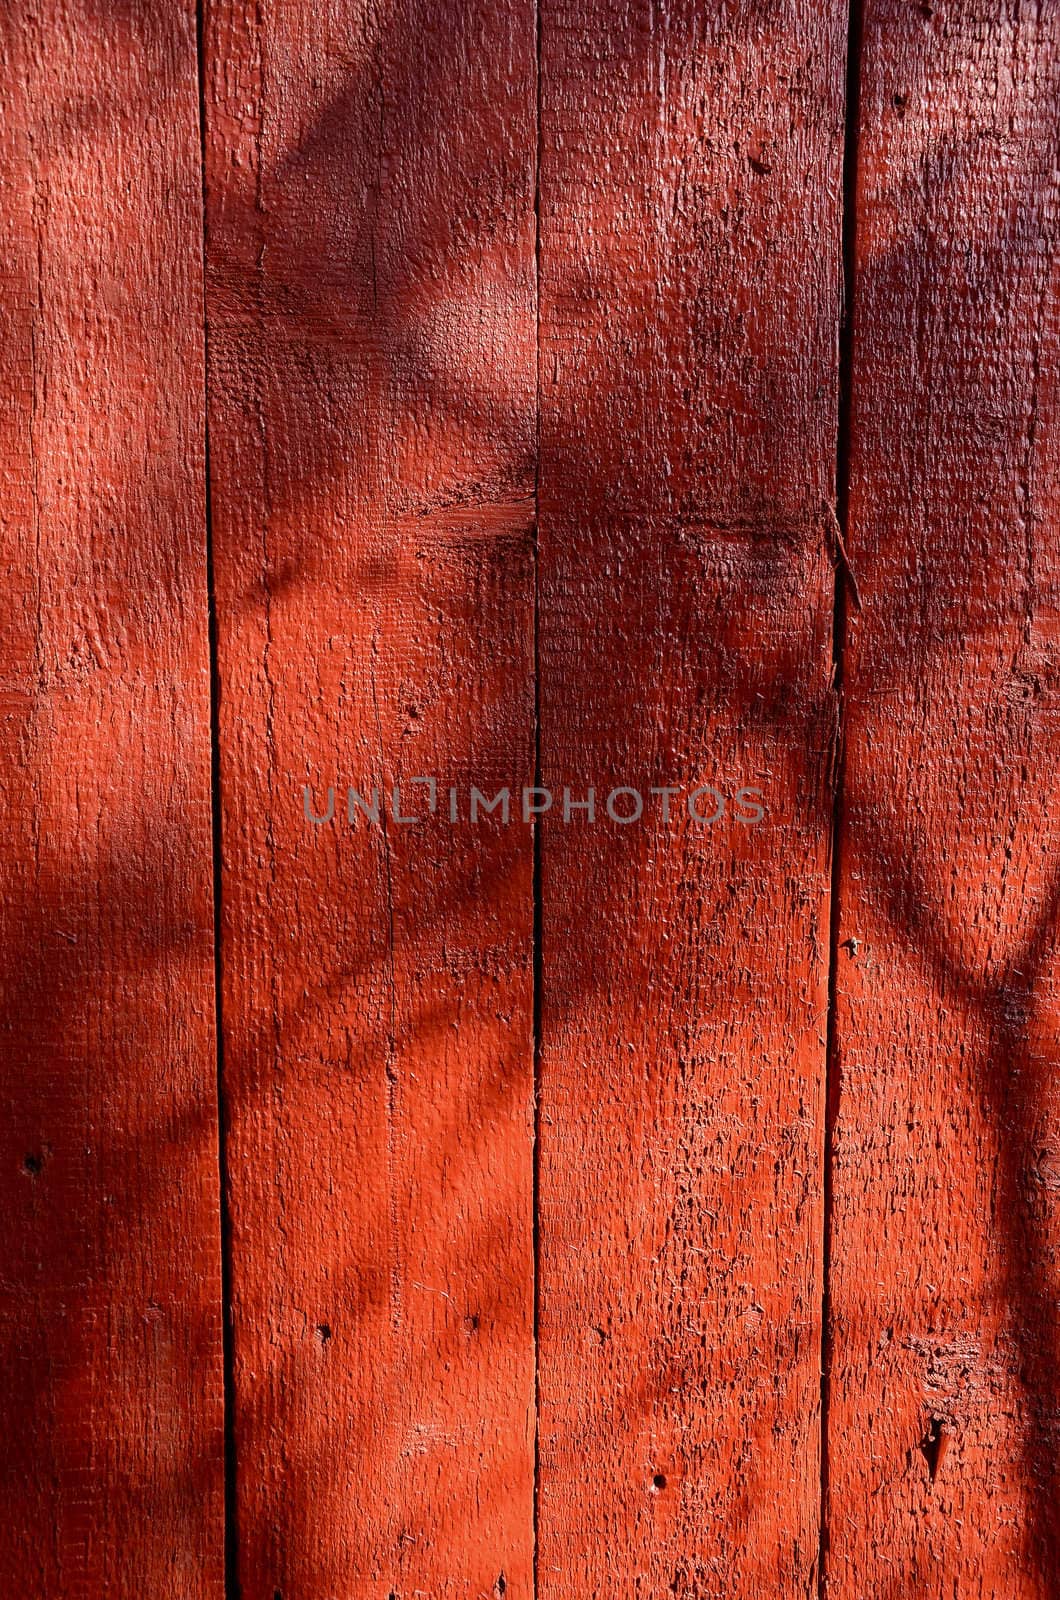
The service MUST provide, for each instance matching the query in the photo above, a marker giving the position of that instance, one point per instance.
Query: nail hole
(324, 1332)
(32, 1164)
(935, 1443)
(659, 1481)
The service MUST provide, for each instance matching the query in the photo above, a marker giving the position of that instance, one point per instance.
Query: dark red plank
(689, 310)
(943, 1411)
(110, 1318)
(371, 304)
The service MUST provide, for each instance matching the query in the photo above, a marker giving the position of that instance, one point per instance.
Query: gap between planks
(230, 1533)
(537, 919)
(844, 577)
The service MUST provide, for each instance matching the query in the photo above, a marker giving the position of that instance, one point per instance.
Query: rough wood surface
(110, 1294)
(943, 1391)
(690, 244)
(371, 322)
(434, 316)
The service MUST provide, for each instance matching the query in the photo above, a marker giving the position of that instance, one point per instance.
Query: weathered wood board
(690, 270)
(110, 1287)
(942, 1466)
(370, 243)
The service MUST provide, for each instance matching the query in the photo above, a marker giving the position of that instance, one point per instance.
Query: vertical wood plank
(690, 244)
(943, 1436)
(110, 1318)
(372, 327)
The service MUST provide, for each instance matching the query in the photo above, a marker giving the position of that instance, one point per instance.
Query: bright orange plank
(371, 307)
(110, 1314)
(689, 313)
(943, 1475)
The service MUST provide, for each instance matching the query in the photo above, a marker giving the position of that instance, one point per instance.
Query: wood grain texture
(943, 1414)
(110, 1294)
(690, 244)
(371, 316)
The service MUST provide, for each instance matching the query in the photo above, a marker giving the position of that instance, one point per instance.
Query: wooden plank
(690, 204)
(110, 1315)
(371, 314)
(943, 1412)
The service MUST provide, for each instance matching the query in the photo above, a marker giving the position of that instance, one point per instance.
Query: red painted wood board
(943, 1379)
(372, 420)
(110, 1289)
(690, 269)
(544, 1145)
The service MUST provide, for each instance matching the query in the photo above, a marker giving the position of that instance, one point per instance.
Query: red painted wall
(632, 408)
